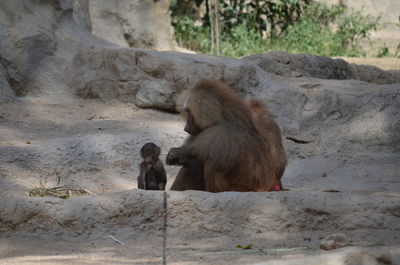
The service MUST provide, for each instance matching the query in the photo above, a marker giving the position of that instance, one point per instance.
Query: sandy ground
(36, 135)
(148, 250)
(383, 63)
(94, 145)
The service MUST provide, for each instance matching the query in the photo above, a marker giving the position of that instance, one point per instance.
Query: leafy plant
(296, 26)
(242, 41)
(190, 36)
(314, 33)
(265, 17)
(383, 52)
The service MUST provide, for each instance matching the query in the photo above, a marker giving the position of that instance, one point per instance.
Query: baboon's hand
(174, 157)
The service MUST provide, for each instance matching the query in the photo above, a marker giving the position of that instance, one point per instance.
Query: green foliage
(242, 41)
(383, 52)
(249, 246)
(352, 29)
(296, 26)
(192, 37)
(261, 16)
(314, 33)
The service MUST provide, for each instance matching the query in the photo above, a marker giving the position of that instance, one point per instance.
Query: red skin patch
(277, 187)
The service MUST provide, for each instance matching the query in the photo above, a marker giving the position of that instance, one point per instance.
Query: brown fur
(191, 175)
(271, 133)
(152, 174)
(239, 144)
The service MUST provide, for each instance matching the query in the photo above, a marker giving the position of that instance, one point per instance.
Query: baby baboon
(152, 173)
(237, 142)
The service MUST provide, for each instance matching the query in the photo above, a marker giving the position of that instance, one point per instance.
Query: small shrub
(315, 34)
(383, 52)
(242, 41)
(191, 36)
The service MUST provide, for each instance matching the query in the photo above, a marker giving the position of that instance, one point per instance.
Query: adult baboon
(235, 144)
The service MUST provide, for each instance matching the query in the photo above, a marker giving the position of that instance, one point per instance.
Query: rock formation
(340, 124)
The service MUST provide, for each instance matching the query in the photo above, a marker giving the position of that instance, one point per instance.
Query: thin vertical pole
(217, 29)
(165, 214)
(211, 18)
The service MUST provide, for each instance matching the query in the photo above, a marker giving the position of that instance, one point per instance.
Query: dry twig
(116, 240)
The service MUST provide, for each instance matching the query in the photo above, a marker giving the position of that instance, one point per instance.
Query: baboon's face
(202, 111)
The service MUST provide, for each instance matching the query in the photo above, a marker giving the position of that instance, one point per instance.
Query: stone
(126, 23)
(6, 93)
(334, 241)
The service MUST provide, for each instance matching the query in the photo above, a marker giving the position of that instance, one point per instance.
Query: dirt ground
(35, 134)
(383, 63)
(94, 145)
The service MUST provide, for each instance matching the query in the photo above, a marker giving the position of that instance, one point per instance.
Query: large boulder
(205, 214)
(305, 65)
(32, 49)
(323, 99)
(39, 39)
(139, 24)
